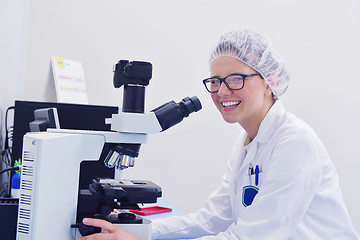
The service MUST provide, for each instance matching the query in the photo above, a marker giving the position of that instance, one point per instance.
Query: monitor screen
(71, 116)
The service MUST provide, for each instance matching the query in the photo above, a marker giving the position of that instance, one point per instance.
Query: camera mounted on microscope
(135, 76)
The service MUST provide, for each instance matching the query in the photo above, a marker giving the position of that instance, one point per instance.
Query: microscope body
(49, 184)
(49, 201)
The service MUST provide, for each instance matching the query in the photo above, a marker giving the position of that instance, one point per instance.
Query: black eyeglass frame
(223, 80)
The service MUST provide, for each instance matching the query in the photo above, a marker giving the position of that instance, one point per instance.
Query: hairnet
(256, 51)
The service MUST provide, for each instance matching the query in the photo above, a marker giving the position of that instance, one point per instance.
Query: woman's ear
(268, 91)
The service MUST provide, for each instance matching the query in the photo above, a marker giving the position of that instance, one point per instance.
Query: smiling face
(247, 106)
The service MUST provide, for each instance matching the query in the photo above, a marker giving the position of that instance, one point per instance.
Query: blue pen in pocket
(257, 171)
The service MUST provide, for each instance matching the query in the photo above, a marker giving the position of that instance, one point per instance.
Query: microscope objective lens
(112, 159)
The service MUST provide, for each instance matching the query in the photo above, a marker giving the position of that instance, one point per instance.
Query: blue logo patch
(249, 192)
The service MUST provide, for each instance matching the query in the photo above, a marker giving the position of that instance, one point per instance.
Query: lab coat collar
(267, 127)
(270, 122)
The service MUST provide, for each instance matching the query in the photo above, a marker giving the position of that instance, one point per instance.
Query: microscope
(51, 205)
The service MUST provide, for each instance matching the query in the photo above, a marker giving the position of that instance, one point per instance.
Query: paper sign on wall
(69, 81)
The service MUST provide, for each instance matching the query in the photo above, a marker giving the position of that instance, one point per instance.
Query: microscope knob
(88, 230)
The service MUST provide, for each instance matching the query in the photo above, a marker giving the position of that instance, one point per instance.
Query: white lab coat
(299, 195)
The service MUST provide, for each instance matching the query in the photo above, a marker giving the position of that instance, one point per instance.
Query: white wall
(319, 39)
(13, 17)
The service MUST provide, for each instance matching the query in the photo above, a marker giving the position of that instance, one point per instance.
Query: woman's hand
(115, 232)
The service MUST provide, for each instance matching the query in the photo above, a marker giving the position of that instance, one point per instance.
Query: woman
(280, 182)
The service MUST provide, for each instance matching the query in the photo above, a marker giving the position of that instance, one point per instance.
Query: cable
(6, 152)
(16, 168)
(7, 129)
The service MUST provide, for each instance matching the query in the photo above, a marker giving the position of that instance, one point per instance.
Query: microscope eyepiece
(171, 113)
(190, 105)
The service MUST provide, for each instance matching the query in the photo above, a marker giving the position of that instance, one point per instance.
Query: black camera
(134, 76)
(135, 72)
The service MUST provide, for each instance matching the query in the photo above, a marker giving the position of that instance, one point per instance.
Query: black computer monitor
(71, 116)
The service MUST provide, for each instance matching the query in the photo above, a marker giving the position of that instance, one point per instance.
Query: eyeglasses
(233, 82)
